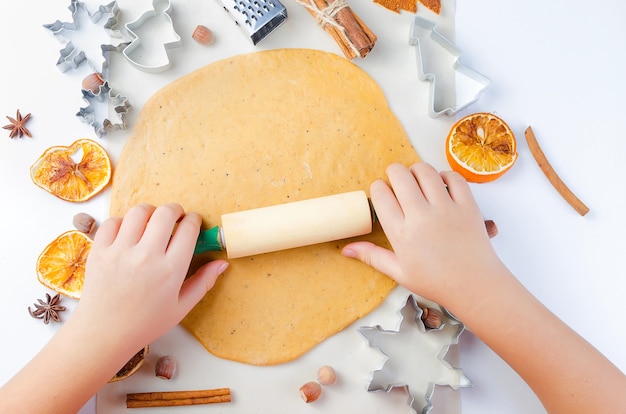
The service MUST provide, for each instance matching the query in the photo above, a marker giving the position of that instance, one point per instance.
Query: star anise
(47, 310)
(17, 126)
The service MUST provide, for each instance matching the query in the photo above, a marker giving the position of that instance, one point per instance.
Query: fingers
(196, 286)
(458, 188)
(386, 205)
(381, 259)
(417, 185)
(183, 241)
(107, 232)
(430, 183)
(154, 226)
(160, 226)
(134, 224)
(405, 187)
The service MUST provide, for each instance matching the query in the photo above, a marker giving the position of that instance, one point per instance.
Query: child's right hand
(135, 285)
(441, 249)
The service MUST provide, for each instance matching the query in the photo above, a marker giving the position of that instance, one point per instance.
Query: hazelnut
(84, 222)
(93, 82)
(326, 375)
(165, 367)
(492, 229)
(203, 35)
(310, 391)
(432, 318)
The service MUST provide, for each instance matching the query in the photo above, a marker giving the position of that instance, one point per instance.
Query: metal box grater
(256, 17)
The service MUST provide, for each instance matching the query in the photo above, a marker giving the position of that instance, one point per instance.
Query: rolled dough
(257, 130)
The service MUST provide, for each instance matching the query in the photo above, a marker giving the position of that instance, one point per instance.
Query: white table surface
(556, 66)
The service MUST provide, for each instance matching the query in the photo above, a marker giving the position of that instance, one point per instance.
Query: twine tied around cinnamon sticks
(339, 20)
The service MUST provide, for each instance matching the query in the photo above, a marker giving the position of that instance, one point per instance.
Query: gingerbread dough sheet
(256, 130)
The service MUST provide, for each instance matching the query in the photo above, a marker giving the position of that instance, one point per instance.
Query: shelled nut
(326, 375)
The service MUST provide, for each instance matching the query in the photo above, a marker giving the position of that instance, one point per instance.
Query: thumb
(197, 285)
(381, 259)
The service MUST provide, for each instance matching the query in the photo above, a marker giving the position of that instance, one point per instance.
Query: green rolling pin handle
(209, 240)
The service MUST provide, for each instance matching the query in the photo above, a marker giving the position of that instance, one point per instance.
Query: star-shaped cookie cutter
(401, 369)
(104, 99)
(453, 86)
(70, 57)
(136, 50)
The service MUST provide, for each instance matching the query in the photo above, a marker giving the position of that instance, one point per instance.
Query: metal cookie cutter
(71, 56)
(415, 357)
(257, 18)
(153, 35)
(453, 85)
(99, 104)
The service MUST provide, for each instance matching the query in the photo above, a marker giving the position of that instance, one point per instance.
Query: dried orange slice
(132, 365)
(481, 147)
(75, 173)
(61, 265)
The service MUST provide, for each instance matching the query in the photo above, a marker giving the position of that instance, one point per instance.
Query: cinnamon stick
(177, 398)
(552, 176)
(357, 32)
(347, 29)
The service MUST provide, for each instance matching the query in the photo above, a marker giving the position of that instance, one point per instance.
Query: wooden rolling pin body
(296, 224)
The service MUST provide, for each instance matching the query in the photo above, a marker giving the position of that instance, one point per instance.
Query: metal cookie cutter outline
(136, 42)
(104, 95)
(69, 56)
(412, 312)
(422, 27)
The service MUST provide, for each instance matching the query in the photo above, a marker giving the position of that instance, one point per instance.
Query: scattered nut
(165, 367)
(203, 35)
(492, 229)
(84, 222)
(432, 318)
(310, 391)
(93, 82)
(326, 375)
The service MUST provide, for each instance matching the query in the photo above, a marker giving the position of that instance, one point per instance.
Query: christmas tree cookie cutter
(425, 366)
(453, 86)
(153, 35)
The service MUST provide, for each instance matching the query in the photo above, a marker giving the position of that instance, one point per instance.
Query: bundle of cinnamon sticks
(177, 398)
(339, 20)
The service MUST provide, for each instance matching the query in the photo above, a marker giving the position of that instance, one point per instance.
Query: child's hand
(135, 283)
(438, 235)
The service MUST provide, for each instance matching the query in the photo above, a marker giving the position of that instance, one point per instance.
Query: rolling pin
(295, 224)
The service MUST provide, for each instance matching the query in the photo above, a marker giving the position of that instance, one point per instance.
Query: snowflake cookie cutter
(453, 86)
(426, 365)
(147, 51)
(71, 56)
(99, 104)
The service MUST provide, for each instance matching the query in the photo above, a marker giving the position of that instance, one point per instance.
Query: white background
(554, 65)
